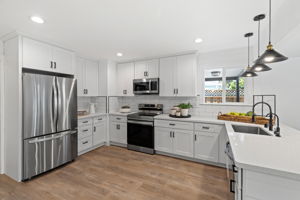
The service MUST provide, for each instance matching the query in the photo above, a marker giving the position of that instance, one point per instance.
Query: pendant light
(270, 55)
(248, 72)
(259, 67)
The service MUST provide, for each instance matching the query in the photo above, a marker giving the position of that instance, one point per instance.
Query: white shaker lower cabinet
(172, 140)
(163, 140)
(183, 142)
(207, 146)
(118, 130)
(91, 133)
(207, 141)
(99, 132)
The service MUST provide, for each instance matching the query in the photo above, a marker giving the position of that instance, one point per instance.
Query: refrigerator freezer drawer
(45, 153)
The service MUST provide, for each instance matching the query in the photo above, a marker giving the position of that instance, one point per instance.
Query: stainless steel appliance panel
(47, 152)
(38, 105)
(146, 86)
(66, 104)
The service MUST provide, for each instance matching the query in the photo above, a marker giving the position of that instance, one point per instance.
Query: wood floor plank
(114, 173)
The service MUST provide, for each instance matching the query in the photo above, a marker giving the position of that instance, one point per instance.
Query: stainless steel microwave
(146, 86)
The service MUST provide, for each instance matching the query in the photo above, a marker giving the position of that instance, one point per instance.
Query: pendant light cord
(248, 51)
(270, 20)
(258, 35)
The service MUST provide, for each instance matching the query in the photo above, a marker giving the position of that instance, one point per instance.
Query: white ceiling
(137, 28)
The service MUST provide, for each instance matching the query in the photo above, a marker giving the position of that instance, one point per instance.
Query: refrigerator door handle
(54, 103)
(52, 138)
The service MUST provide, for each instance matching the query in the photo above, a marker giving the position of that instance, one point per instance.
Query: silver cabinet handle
(177, 91)
(172, 124)
(118, 126)
(54, 65)
(174, 91)
(51, 64)
(85, 142)
(195, 137)
(170, 133)
(173, 134)
(86, 130)
(85, 122)
(95, 129)
(205, 127)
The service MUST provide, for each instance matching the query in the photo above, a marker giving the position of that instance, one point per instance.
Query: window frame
(224, 70)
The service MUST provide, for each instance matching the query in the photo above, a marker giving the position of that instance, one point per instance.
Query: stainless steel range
(140, 128)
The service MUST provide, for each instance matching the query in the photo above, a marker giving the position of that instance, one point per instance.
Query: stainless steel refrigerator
(49, 122)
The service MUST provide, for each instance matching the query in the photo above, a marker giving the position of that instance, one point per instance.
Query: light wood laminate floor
(113, 173)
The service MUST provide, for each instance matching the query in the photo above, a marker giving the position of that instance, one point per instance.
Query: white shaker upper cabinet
(140, 69)
(63, 60)
(178, 75)
(37, 55)
(80, 76)
(125, 76)
(185, 75)
(146, 69)
(42, 56)
(87, 74)
(91, 78)
(167, 68)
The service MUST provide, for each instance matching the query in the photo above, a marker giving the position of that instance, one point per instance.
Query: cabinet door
(125, 76)
(99, 133)
(63, 60)
(80, 76)
(118, 132)
(140, 69)
(36, 55)
(91, 78)
(163, 140)
(153, 69)
(185, 77)
(207, 146)
(167, 67)
(183, 142)
(223, 139)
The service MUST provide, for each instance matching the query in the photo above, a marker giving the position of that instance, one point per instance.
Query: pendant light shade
(248, 72)
(259, 67)
(270, 55)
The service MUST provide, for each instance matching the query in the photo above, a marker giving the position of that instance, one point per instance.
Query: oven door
(141, 86)
(140, 136)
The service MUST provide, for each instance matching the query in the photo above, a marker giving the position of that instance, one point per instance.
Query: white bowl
(125, 110)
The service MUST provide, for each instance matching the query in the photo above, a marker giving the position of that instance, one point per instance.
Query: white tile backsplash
(203, 110)
(84, 103)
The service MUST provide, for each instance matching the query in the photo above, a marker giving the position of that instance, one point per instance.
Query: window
(224, 86)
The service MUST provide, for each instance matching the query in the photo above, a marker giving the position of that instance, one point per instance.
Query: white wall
(1, 110)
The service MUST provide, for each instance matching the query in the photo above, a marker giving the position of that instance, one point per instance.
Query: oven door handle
(140, 123)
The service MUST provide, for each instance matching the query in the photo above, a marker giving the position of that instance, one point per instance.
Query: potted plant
(185, 108)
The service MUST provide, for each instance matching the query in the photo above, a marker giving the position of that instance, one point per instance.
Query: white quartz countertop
(91, 115)
(267, 154)
(121, 114)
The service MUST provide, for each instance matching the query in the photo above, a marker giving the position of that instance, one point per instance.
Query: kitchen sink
(250, 130)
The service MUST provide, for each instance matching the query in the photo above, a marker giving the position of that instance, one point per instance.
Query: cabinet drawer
(213, 128)
(85, 143)
(115, 118)
(174, 124)
(85, 122)
(85, 131)
(98, 120)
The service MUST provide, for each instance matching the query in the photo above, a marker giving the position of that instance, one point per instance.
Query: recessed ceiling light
(198, 40)
(119, 54)
(37, 19)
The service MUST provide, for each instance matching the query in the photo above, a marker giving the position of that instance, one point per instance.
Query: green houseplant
(185, 108)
